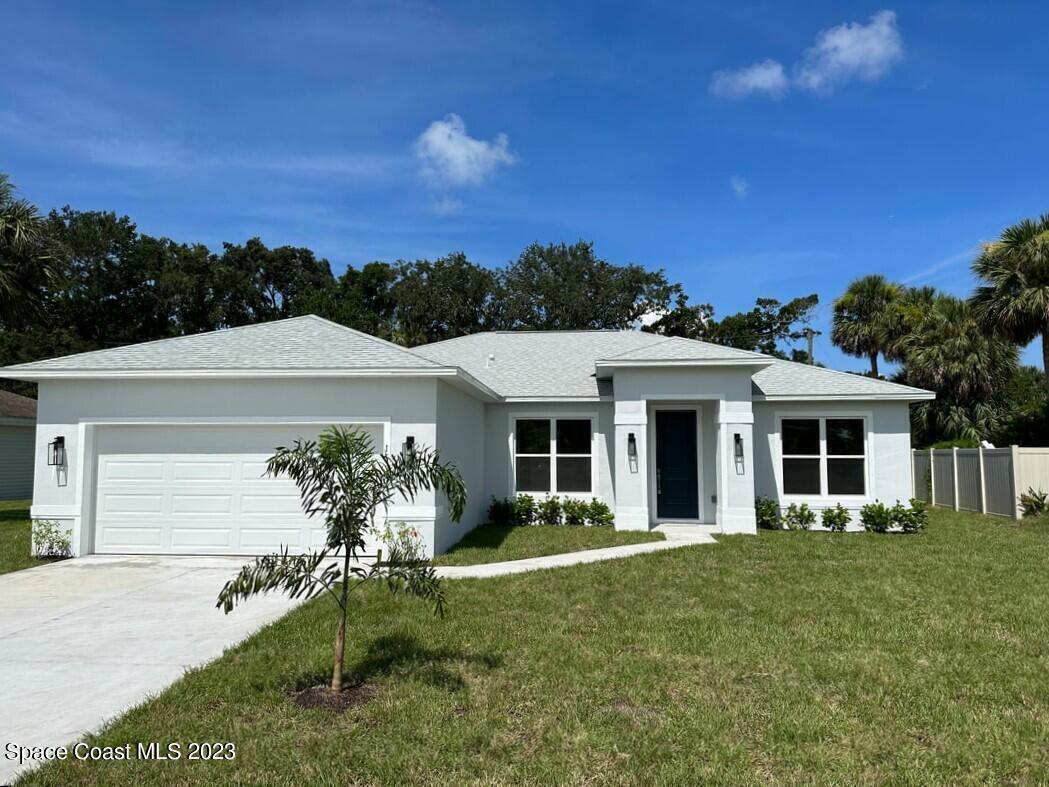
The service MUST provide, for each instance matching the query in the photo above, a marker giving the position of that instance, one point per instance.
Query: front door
(677, 476)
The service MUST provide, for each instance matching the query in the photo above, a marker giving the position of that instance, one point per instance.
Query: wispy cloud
(740, 186)
(853, 51)
(947, 262)
(767, 78)
(446, 205)
(449, 156)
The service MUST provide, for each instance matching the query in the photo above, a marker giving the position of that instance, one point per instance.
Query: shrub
(402, 538)
(524, 510)
(1034, 502)
(599, 514)
(50, 539)
(501, 512)
(548, 512)
(799, 517)
(910, 518)
(767, 513)
(876, 517)
(836, 519)
(575, 511)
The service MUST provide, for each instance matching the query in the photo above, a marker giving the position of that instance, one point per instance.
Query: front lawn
(494, 543)
(797, 658)
(15, 536)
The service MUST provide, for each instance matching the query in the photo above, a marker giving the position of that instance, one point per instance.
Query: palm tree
(25, 257)
(1013, 302)
(948, 352)
(865, 320)
(342, 480)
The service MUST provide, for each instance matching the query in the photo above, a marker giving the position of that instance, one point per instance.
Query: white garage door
(199, 490)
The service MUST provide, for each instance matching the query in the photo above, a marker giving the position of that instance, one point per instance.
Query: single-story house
(17, 452)
(161, 447)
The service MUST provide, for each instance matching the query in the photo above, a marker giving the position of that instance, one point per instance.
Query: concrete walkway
(83, 640)
(676, 536)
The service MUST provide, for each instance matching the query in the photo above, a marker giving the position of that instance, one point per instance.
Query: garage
(199, 490)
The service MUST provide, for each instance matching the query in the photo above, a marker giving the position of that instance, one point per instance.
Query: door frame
(653, 508)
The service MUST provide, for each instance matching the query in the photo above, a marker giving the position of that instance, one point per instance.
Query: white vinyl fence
(988, 480)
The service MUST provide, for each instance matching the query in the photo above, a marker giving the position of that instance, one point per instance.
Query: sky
(749, 149)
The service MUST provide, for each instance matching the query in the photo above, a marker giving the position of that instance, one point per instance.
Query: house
(161, 447)
(17, 435)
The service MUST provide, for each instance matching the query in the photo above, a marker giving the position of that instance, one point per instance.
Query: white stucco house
(17, 452)
(160, 447)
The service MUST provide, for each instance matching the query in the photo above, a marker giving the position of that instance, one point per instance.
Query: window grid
(553, 455)
(823, 456)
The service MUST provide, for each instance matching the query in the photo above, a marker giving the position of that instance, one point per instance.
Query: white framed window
(824, 456)
(554, 455)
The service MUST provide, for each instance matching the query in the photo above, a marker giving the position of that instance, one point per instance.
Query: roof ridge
(378, 339)
(848, 374)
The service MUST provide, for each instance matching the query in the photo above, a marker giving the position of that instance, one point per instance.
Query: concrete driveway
(83, 640)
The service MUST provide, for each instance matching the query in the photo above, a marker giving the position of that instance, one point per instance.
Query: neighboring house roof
(501, 364)
(15, 406)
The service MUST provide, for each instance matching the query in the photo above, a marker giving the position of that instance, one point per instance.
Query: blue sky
(750, 149)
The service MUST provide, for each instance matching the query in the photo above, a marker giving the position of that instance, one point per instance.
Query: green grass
(15, 537)
(493, 543)
(786, 658)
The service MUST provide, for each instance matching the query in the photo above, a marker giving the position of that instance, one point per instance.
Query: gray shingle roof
(15, 406)
(786, 378)
(298, 343)
(675, 348)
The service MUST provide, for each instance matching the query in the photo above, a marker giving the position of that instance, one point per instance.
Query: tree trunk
(1045, 356)
(340, 635)
(874, 364)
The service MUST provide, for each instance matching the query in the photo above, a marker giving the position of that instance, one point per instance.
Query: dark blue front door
(677, 479)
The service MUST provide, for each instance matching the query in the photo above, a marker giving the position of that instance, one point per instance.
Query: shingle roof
(298, 343)
(561, 364)
(676, 348)
(15, 406)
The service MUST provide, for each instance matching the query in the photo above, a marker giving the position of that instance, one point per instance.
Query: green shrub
(575, 511)
(1034, 502)
(767, 513)
(548, 511)
(524, 510)
(876, 517)
(910, 518)
(836, 519)
(50, 539)
(799, 517)
(599, 514)
(501, 512)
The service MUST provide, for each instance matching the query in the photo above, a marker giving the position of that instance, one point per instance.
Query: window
(824, 456)
(553, 455)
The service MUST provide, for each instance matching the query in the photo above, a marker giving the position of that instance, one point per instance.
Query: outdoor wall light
(739, 446)
(409, 445)
(56, 452)
(631, 446)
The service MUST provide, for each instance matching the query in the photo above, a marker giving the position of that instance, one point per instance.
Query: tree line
(73, 281)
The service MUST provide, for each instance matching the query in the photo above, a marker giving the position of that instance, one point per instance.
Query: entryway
(676, 465)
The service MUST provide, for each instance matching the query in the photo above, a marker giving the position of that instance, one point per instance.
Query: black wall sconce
(739, 446)
(409, 445)
(631, 446)
(56, 452)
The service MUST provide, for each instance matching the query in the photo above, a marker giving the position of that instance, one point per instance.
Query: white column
(631, 469)
(735, 509)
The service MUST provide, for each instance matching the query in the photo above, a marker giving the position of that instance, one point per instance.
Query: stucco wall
(16, 461)
(410, 405)
(460, 440)
(889, 449)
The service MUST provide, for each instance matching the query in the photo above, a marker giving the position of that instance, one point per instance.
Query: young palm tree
(342, 480)
(25, 260)
(1013, 302)
(948, 352)
(865, 318)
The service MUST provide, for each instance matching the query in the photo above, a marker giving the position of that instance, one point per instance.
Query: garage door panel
(198, 490)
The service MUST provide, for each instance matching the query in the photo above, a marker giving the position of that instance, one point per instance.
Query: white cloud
(447, 206)
(451, 157)
(767, 77)
(740, 186)
(851, 51)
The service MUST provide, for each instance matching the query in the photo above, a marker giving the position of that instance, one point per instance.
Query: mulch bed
(351, 696)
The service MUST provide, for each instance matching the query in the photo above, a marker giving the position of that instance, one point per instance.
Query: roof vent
(490, 362)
